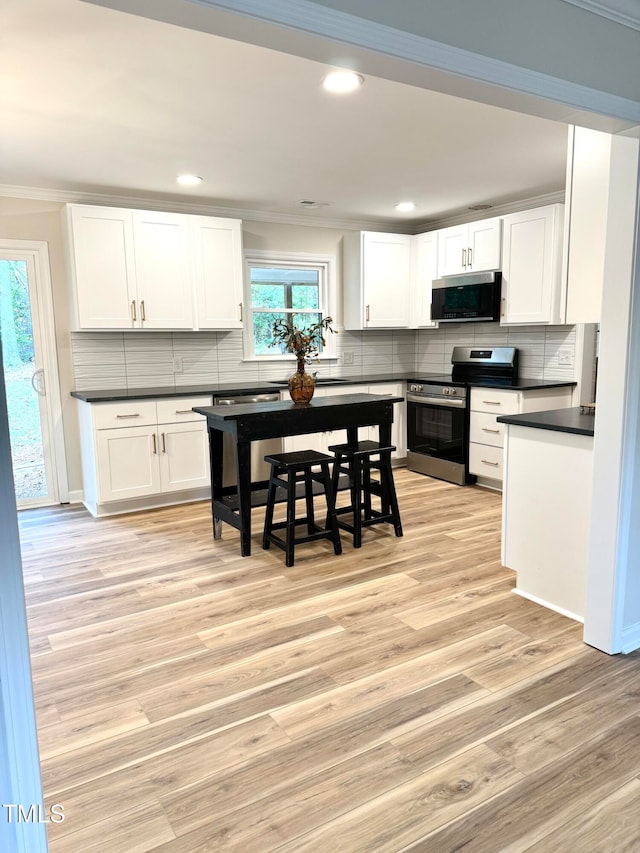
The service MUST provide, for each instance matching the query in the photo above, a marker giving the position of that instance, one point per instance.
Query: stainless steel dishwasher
(259, 449)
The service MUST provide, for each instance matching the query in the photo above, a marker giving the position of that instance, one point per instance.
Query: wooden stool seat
(287, 471)
(358, 463)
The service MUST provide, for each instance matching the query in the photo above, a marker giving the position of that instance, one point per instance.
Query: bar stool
(357, 462)
(287, 470)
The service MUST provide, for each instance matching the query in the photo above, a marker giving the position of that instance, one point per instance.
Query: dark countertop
(557, 420)
(224, 389)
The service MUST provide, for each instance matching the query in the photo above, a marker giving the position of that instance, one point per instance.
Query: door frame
(36, 252)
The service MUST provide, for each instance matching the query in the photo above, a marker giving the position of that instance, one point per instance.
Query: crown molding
(311, 18)
(499, 210)
(393, 226)
(625, 12)
(202, 209)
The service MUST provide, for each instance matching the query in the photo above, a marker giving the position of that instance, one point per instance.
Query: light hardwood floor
(395, 698)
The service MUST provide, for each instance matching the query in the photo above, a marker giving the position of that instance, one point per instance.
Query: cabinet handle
(492, 402)
(486, 462)
(367, 312)
(155, 448)
(502, 306)
(469, 256)
(143, 315)
(486, 429)
(125, 417)
(134, 315)
(464, 259)
(241, 314)
(164, 446)
(183, 411)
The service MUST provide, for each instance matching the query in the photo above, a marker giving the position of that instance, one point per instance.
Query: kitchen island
(546, 506)
(249, 422)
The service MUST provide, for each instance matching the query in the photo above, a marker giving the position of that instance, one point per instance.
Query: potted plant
(305, 344)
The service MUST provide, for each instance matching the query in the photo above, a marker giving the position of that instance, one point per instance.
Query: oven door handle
(447, 402)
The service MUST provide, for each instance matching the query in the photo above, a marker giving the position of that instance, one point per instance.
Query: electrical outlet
(347, 357)
(565, 356)
(177, 364)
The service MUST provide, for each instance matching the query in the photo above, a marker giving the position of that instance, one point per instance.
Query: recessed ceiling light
(341, 82)
(480, 207)
(189, 180)
(405, 206)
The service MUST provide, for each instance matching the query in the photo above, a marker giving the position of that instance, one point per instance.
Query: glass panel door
(24, 377)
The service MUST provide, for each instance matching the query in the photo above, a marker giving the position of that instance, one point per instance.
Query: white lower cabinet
(128, 467)
(127, 463)
(486, 435)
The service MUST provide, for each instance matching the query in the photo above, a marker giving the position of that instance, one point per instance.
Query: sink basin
(321, 380)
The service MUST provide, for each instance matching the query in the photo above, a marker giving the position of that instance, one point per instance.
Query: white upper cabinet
(425, 269)
(102, 263)
(217, 260)
(137, 269)
(473, 247)
(377, 280)
(532, 266)
(163, 270)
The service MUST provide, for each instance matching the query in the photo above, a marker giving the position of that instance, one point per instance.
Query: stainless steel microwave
(463, 298)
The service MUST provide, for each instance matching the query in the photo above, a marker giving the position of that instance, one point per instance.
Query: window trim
(328, 296)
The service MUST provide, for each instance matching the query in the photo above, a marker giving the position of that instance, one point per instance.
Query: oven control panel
(437, 390)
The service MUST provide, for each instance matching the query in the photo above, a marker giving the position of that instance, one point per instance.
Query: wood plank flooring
(395, 698)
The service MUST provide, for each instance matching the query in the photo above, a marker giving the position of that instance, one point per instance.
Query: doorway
(31, 375)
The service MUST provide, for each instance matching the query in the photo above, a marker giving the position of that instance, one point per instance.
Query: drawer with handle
(128, 413)
(177, 410)
(495, 400)
(485, 461)
(483, 429)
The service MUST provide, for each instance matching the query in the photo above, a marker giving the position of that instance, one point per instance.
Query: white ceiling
(98, 101)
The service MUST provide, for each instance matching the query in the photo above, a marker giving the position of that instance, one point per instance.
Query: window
(294, 288)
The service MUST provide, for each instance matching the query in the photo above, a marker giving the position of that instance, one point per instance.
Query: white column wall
(612, 575)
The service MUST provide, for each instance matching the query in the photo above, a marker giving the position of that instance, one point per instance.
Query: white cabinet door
(184, 456)
(452, 250)
(473, 247)
(217, 260)
(163, 270)
(102, 265)
(532, 266)
(426, 266)
(127, 463)
(386, 279)
(484, 244)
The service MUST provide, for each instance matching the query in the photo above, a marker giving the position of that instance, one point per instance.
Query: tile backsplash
(119, 360)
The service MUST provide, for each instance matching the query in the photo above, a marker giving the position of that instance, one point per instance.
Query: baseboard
(76, 496)
(631, 638)
(546, 604)
(151, 502)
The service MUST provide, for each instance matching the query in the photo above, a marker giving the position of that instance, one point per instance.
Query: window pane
(268, 295)
(305, 296)
(263, 334)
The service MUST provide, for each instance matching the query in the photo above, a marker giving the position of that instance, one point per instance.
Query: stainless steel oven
(438, 432)
(438, 410)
